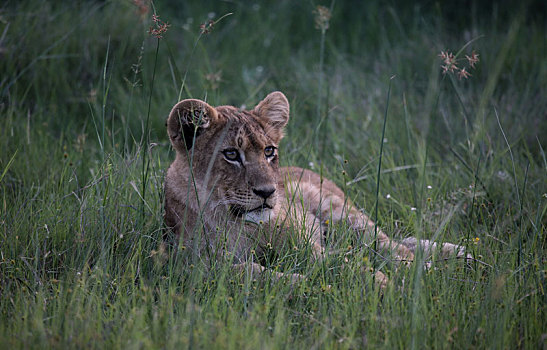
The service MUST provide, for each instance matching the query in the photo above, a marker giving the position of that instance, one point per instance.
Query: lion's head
(230, 155)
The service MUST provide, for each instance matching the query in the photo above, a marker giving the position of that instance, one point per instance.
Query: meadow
(85, 90)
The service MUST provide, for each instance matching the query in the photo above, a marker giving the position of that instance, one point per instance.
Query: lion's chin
(240, 211)
(258, 216)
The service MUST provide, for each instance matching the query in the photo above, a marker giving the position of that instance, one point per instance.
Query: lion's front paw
(380, 280)
(404, 255)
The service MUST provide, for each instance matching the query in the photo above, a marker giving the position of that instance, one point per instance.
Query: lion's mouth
(240, 211)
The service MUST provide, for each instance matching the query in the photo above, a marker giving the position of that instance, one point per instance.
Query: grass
(83, 152)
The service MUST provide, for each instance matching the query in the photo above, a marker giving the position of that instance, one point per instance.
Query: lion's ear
(274, 112)
(187, 120)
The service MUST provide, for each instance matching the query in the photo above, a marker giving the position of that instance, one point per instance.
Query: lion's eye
(269, 151)
(231, 154)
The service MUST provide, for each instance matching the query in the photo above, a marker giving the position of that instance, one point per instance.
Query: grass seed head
(159, 28)
(322, 18)
(207, 27)
(473, 59)
(450, 64)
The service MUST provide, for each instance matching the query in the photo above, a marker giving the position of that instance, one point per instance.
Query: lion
(226, 196)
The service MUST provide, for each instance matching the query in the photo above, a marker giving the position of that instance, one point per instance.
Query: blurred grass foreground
(85, 89)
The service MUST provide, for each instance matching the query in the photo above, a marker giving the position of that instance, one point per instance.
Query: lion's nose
(264, 192)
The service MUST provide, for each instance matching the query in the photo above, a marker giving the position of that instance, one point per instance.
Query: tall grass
(84, 94)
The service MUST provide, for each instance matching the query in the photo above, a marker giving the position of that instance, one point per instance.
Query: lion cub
(226, 196)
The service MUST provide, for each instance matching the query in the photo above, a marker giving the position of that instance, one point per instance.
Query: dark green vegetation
(84, 94)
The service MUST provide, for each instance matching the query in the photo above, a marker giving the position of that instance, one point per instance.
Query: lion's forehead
(245, 131)
(250, 138)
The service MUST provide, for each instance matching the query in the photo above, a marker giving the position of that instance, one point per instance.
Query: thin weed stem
(321, 62)
(322, 22)
(469, 222)
(136, 70)
(380, 166)
(6, 168)
(182, 85)
(519, 256)
(106, 89)
(205, 30)
(458, 95)
(418, 258)
(146, 137)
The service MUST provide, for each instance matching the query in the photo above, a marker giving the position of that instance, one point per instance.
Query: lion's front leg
(429, 248)
(362, 225)
(398, 251)
(380, 279)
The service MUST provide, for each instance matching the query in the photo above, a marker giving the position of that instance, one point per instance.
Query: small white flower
(388, 196)
(429, 187)
(412, 209)
(311, 165)
(502, 175)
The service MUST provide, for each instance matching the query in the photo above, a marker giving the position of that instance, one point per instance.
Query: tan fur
(240, 209)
